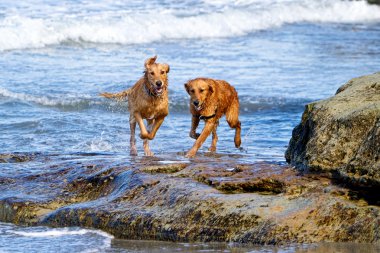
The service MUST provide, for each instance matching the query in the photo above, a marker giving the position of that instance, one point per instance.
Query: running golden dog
(147, 99)
(209, 100)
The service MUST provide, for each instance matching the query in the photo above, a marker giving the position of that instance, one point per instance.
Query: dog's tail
(118, 96)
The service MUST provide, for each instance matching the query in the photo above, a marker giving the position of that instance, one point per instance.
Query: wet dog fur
(147, 99)
(209, 100)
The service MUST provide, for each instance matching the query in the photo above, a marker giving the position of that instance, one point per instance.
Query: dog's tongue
(159, 90)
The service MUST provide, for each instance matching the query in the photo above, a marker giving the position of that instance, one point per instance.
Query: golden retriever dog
(147, 99)
(209, 100)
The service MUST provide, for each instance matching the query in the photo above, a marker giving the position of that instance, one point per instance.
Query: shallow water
(43, 239)
(280, 55)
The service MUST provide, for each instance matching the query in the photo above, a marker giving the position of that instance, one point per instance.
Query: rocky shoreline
(327, 194)
(261, 203)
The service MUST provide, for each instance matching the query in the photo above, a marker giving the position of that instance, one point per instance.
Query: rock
(207, 200)
(341, 135)
(17, 157)
(373, 1)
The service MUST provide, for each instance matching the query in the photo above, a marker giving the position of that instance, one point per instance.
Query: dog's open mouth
(199, 107)
(159, 90)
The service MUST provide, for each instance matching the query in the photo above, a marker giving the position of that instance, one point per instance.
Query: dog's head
(200, 90)
(157, 75)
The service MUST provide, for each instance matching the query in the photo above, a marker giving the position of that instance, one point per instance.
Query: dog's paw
(194, 135)
(237, 141)
(149, 153)
(133, 151)
(190, 154)
(146, 136)
(212, 149)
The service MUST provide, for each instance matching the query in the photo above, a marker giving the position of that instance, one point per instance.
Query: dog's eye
(192, 91)
(162, 72)
(201, 90)
(152, 73)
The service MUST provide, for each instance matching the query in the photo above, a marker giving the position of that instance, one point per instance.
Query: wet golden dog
(209, 100)
(147, 99)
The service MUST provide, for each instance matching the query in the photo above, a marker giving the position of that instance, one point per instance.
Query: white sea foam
(70, 100)
(100, 144)
(61, 232)
(19, 31)
(79, 102)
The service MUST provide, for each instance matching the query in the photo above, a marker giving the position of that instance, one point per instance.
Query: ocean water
(56, 57)
(43, 239)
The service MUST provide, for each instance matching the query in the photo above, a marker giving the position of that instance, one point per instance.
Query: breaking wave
(20, 30)
(62, 232)
(178, 103)
(70, 102)
(84, 240)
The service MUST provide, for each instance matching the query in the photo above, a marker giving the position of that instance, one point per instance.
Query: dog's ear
(166, 67)
(187, 87)
(211, 86)
(150, 61)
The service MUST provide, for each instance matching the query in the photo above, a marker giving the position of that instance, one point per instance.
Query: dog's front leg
(214, 138)
(156, 125)
(194, 124)
(147, 151)
(143, 132)
(209, 126)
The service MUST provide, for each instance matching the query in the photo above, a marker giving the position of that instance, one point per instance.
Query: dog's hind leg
(237, 138)
(132, 125)
(232, 116)
(214, 138)
(146, 141)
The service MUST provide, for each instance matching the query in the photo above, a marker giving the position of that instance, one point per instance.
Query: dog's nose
(196, 102)
(158, 83)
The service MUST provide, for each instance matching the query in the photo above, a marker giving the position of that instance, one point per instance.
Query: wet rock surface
(374, 2)
(17, 157)
(341, 135)
(208, 199)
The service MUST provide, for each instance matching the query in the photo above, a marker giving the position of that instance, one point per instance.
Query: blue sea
(57, 56)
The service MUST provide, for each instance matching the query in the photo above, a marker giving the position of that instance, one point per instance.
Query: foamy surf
(60, 239)
(62, 232)
(21, 31)
(80, 102)
(69, 102)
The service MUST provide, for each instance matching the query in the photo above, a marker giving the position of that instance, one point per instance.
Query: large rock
(207, 200)
(374, 1)
(341, 135)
